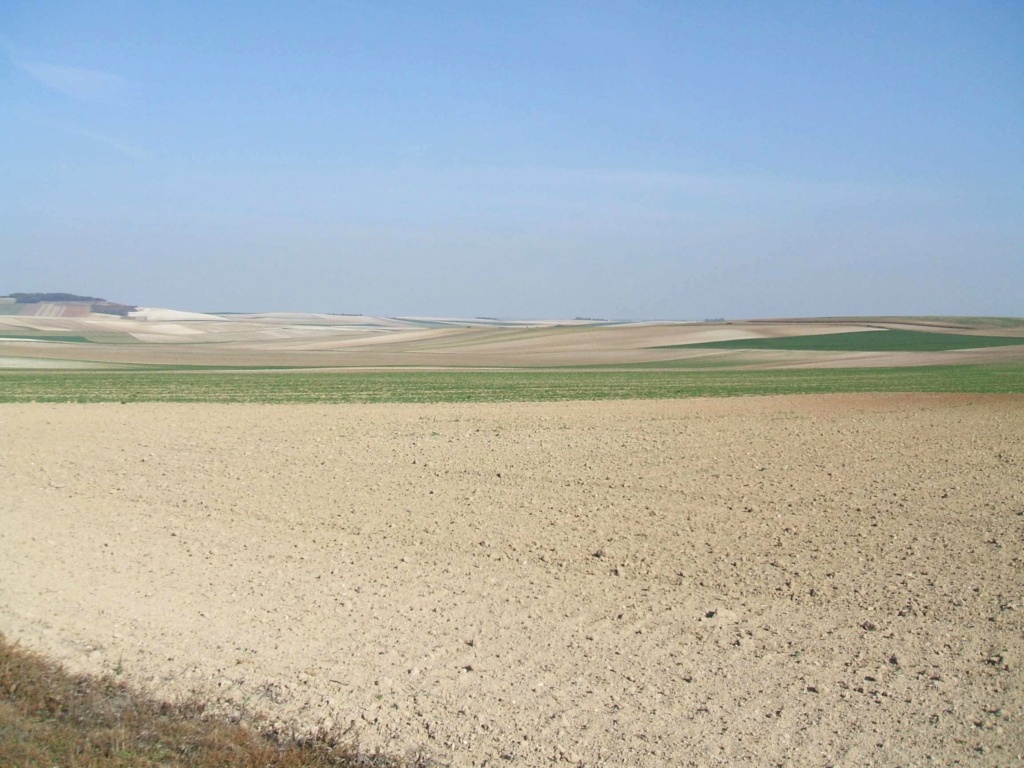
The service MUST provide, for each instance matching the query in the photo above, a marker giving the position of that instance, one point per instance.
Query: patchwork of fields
(168, 339)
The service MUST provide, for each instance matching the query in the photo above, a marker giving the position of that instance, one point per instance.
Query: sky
(624, 160)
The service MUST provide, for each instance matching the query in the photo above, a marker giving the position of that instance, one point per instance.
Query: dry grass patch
(49, 717)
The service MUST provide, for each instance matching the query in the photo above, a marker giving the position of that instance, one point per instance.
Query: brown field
(829, 580)
(168, 337)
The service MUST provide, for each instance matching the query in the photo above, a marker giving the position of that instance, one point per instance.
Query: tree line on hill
(37, 298)
(96, 304)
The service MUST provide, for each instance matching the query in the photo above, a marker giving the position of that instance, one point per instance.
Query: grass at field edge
(49, 717)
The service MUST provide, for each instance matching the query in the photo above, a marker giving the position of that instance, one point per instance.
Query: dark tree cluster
(36, 298)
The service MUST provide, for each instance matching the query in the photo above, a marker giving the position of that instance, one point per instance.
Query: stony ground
(797, 580)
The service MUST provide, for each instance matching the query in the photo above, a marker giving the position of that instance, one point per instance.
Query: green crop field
(36, 336)
(864, 341)
(519, 386)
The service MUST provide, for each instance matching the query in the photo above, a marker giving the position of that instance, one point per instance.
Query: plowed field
(809, 580)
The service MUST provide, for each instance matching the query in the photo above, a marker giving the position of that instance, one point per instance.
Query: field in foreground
(802, 580)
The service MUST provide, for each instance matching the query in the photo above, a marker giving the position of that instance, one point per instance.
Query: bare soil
(795, 580)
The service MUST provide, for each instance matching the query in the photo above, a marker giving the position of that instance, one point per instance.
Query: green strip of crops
(46, 337)
(864, 341)
(488, 387)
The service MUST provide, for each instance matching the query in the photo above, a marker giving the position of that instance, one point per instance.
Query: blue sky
(520, 159)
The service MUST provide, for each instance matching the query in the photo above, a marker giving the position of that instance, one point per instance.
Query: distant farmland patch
(32, 336)
(863, 341)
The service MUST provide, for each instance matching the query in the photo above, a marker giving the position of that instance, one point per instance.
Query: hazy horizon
(514, 319)
(613, 160)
